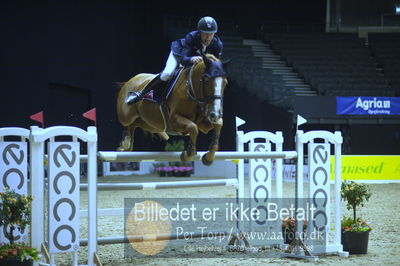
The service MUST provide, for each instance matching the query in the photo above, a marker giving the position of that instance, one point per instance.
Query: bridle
(202, 102)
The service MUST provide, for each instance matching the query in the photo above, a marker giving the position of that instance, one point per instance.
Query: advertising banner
(371, 169)
(63, 209)
(368, 105)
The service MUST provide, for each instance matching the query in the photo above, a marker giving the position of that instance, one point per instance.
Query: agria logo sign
(374, 105)
(368, 105)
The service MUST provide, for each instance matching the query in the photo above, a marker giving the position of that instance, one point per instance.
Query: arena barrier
(63, 172)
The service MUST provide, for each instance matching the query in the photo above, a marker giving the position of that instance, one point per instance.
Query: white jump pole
(37, 189)
(227, 182)
(110, 156)
(92, 194)
(338, 197)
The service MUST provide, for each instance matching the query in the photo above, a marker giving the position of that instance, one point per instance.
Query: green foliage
(158, 164)
(18, 251)
(180, 163)
(358, 226)
(15, 213)
(355, 194)
(176, 145)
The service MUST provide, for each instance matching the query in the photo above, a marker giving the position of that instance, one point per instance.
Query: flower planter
(288, 229)
(176, 171)
(184, 171)
(355, 242)
(160, 171)
(288, 236)
(15, 262)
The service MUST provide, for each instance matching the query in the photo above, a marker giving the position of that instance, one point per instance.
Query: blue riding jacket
(191, 45)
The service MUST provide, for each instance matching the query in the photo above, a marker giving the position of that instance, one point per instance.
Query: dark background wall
(364, 12)
(64, 57)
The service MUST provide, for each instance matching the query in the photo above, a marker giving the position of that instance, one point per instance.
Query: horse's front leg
(208, 157)
(126, 143)
(185, 126)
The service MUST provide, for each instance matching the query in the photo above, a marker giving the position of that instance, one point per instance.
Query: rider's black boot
(134, 96)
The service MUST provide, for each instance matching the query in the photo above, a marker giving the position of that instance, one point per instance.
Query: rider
(186, 51)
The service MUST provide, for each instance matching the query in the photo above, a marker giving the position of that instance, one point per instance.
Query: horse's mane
(212, 57)
(202, 65)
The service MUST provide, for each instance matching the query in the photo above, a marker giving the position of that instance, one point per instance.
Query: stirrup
(133, 97)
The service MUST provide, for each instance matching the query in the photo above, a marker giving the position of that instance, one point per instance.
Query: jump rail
(123, 239)
(232, 182)
(110, 156)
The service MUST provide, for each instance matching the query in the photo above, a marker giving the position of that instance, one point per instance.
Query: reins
(190, 89)
(192, 94)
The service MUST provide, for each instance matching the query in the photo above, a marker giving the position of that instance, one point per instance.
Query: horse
(194, 104)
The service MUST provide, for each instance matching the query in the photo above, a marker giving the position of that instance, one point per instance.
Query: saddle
(160, 97)
(162, 94)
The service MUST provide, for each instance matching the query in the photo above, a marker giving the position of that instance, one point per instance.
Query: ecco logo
(320, 179)
(260, 178)
(14, 173)
(17, 159)
(64, 186)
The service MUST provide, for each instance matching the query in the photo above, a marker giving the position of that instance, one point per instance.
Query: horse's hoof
(205, 161)
(121, 147)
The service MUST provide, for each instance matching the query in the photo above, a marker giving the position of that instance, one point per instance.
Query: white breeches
(170, 67)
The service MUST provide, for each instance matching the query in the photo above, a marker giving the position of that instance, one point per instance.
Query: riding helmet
(207, 25)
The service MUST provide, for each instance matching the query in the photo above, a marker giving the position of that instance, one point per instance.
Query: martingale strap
(190, 87)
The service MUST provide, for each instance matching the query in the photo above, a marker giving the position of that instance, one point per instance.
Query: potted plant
(15, 213)
(159, 168)
(181, 169)
(289, 229)
(355, 231)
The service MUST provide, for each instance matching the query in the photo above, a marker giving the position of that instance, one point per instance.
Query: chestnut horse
(194, 104)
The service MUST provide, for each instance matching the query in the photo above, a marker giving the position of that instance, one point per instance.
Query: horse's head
(212, 83)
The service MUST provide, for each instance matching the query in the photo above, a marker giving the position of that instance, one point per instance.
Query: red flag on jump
(91, 115)
(38, 117)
